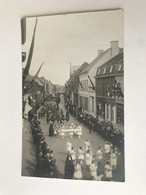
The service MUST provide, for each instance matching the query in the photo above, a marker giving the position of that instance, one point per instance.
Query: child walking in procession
(113, 158)
(108, 171)
(99, 155)
(77, 170)
(93, 170)
(81, 155)
(68, 146)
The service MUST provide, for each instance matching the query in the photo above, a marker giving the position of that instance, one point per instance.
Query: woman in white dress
(81, 154)
(68, 146)
(108, 171)
(77, 170)
(99, 155)
(93, 170)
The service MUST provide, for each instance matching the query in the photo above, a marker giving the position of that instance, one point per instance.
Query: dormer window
(111, 69)
(104, 70)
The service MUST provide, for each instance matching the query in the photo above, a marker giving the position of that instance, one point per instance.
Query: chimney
(100, 51)
(114, 48)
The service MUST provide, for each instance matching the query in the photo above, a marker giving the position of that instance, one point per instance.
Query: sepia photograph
(73, 96)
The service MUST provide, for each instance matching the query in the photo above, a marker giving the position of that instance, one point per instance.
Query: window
(104, 70)
(107, 111)
(111, 68)
(108, 90)
(120, 66)
(112, 113)
(92, 104)
(86, 103)
(120, 114)
(99, 109)
(99, 71)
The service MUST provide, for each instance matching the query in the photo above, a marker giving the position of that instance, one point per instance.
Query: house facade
(110, 92)
(86, 92)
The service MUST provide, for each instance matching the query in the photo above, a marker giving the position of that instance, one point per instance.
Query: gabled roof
(80, 69)
(94, 61)
(112, 67)
(42, 79)
(29, 78)
(39, 82)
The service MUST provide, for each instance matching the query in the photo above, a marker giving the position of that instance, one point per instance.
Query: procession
(73, 115)
(80, 161)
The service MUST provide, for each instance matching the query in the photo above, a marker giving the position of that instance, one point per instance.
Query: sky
(70, 38)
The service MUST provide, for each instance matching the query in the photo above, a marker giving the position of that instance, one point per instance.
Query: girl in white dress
(88, 158)
(77, 170)
(93, 170)
(108, 171)
(81, 155)
(68, 146)
(107, 148)
(99, 155)
(73, 154)
(87, 145)
(113, 159)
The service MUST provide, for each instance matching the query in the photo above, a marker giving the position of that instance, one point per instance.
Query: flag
(91, 82)
(31, 102)
(27, 67)
(35, 76)
(117, 90)
(80, 83)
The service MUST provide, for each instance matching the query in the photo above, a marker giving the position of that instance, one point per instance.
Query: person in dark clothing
(67, 115)
(69, 167)
(51, 129)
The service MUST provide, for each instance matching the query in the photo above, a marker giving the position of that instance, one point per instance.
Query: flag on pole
(80, 83)
(117, 90)
(27, 67)
(31, 101)
(91, 82)
(35, 76)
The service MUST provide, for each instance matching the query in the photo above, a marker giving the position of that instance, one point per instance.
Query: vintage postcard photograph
(73, 96)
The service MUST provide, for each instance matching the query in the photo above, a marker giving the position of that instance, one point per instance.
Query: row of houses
(39, 88)
(97, 87)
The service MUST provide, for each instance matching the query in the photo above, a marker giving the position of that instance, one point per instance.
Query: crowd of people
(103, 128)
(45, 163)
(54, 115)
(86, 158)
(77, 158)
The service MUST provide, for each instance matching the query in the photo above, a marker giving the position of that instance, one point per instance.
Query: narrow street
(58, 145)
